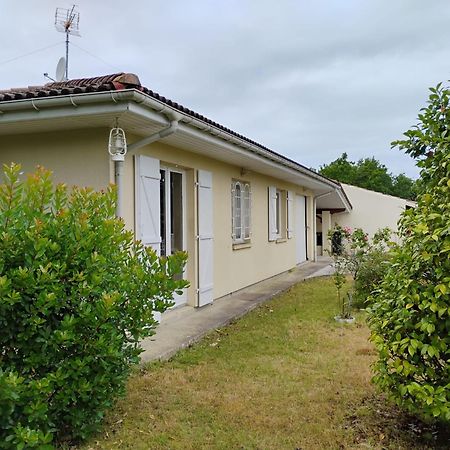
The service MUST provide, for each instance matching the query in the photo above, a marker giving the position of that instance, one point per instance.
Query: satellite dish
(61, 69)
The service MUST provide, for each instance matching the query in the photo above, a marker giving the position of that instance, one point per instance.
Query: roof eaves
(344, 194)
(126, 81)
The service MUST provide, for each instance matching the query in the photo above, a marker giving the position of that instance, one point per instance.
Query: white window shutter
(205, 238)
(290, 215)
(238, 211)
(272, 213)
(148, 201)
(250, 211)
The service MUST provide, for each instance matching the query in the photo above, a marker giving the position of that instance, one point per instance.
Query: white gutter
(63, 100)
(136, 102)
(40, 105)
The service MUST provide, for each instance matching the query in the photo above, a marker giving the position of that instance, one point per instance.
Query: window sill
(281, 240)
(241, 245)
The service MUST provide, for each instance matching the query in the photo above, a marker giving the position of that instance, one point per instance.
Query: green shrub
(373, 266)
(364, 259)
(370, 274)
(77, 294)
(410, 317)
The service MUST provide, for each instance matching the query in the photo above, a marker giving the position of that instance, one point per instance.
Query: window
(280, 214)
(240, 211)
(171, 211)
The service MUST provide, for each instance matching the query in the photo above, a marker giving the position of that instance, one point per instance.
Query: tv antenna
(67, 21)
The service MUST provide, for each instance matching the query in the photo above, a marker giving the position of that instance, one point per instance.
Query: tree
(369, 173)
(404, 187)
(340, 169)
(410, 316)
(373, 175)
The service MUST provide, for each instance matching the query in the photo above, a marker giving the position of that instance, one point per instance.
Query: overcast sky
(308, 78)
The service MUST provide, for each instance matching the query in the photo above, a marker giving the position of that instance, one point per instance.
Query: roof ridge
(120, 79)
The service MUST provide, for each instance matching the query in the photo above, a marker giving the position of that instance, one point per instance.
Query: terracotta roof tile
(112, 82)
(95, 81)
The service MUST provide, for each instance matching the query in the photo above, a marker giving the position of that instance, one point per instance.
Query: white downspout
(118, 178)
(172, 128)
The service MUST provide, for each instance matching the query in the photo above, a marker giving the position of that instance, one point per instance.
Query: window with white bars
(241, 211)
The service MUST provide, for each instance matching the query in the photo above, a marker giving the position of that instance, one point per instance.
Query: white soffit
(329, 201)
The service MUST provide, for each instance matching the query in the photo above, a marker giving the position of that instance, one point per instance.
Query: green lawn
(286, 376)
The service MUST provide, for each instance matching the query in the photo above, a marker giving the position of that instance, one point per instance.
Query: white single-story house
(242, 212)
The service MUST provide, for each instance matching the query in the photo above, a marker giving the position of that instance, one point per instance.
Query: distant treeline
(369, 173)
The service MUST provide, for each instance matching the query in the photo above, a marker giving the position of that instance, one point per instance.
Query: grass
(286, 376)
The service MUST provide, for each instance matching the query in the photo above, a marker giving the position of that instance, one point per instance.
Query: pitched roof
(113, 82)
(120, 81)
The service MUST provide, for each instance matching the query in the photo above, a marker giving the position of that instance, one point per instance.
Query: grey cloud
(308, 79)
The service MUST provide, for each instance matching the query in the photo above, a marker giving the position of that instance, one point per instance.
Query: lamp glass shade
(117, 146)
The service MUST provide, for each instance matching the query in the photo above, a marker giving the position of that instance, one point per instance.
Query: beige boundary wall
(371, 210)
(80, 157)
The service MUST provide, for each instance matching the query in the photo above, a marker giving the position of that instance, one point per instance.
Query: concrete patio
(181, 327)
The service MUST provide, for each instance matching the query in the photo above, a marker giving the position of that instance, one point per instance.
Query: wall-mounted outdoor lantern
(117, 145)
(117, 148)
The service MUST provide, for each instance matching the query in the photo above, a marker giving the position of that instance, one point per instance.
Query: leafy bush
(410, 317)
(370, 265)
(370, 274)
(77, 294)
(364, 259)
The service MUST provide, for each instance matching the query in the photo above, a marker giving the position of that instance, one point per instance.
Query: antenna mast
(67, 21)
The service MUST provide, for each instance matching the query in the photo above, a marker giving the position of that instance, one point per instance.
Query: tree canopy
(369, 173)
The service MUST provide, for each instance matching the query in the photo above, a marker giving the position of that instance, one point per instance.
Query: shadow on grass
(377, 423)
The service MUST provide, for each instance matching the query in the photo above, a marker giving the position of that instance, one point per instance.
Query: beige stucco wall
(371, 210)
(233, 269)
(75, 157)
(80, 157)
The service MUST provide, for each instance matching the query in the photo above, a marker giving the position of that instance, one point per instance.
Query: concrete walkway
(181, 327)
